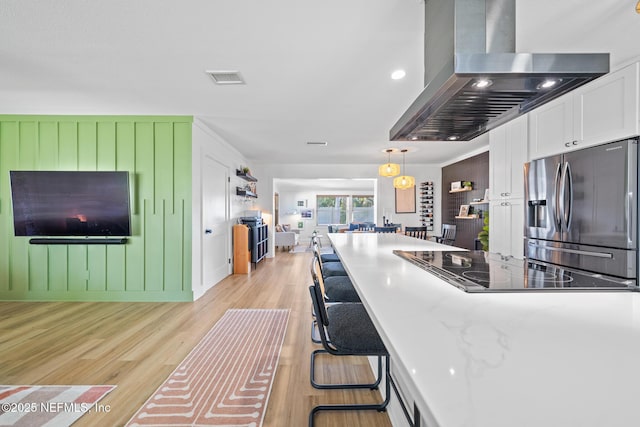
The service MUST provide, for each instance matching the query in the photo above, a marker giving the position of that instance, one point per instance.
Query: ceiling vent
(226, 77)
(321, 143)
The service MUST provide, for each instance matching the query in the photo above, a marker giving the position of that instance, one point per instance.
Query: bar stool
(347, 330)
(336, 289)
(328, 269)
(326, 257)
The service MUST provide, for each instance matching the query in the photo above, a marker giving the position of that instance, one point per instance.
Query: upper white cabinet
(602, 111)
(507, 155)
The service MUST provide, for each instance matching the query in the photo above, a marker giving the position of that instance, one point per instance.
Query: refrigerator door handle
(556, 199)
(571, 251)
(568, 184)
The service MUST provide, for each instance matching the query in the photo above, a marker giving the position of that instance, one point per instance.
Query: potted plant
(483, 236)
(466, 184)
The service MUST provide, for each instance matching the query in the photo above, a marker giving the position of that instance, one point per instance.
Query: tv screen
(65, 203)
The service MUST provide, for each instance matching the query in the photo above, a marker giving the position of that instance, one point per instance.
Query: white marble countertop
(524, 359)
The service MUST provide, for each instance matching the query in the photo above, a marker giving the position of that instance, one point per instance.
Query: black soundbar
(80, 241)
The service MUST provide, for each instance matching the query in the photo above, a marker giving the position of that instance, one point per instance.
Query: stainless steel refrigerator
(581, 209)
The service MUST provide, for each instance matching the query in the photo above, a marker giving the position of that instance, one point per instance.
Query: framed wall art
(406, 200)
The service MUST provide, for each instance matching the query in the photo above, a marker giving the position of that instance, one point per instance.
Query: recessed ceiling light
(482, 84)
(453, 138)
(398, 74)
(226, 77)
(414, 138)
(548, 83)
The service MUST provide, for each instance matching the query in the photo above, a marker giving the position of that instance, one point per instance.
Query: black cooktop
(478, 271)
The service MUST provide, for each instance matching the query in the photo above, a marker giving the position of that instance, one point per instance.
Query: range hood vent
(474, 80)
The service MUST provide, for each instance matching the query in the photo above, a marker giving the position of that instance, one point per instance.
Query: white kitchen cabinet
(507, 155)
(607, 109)
(551, 127)
(506, 227)
(602, 111)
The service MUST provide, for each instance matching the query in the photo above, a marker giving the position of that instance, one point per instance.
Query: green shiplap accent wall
(155, 264)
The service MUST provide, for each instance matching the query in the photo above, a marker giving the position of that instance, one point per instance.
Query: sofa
(285, 237)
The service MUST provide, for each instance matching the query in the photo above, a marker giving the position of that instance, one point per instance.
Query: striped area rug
(49, 405)
(226, 379)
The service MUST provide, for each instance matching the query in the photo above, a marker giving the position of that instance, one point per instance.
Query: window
(344, 209)
(332, 209)
(362, 208)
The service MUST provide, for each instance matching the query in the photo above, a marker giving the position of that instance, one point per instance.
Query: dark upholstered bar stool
(328, 269)
(347, 330)
(336, 289)
(326, 257)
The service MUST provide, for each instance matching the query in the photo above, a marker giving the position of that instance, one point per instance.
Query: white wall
(205, 141)
(596, 26)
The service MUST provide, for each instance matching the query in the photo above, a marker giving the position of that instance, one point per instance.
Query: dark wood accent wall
(476, 170)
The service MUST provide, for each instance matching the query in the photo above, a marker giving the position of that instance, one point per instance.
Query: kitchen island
(553, 359)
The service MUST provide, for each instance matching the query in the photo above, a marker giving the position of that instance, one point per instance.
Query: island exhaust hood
(474, 80)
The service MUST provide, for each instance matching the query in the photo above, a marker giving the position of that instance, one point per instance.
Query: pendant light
(389, 169)
(404, 181)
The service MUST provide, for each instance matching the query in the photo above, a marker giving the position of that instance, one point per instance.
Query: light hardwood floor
(137, 345)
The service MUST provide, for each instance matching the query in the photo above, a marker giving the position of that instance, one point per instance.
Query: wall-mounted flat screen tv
(70, 203)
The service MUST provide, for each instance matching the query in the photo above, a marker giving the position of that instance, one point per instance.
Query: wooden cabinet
(241, 252)
(250, 245)
(506, 227)
(507, 155)
(602, 111)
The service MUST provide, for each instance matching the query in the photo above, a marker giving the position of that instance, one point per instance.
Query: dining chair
(366, 226)
(448, 235)
(417, 232)
(391, 229)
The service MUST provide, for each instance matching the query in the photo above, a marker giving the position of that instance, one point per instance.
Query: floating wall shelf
(245, 176)
(242, 192)
(474, 216)
(461, 190)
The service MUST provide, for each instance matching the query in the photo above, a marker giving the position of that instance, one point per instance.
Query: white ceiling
(315, 71)
(294, 185)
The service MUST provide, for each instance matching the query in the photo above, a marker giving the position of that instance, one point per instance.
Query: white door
(215, 222)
